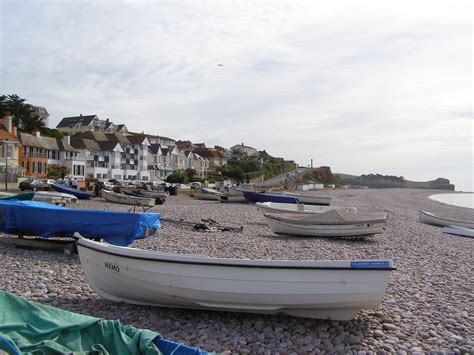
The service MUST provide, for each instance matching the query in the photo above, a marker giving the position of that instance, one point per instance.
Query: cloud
(362, 87)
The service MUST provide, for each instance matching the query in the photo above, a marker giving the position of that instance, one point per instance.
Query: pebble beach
(428, 305)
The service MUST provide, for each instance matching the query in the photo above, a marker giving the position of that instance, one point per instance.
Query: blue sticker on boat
(370, 264)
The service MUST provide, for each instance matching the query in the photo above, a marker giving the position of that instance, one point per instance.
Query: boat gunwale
(210, 262)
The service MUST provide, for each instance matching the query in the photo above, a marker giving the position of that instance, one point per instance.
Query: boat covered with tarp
(30, 327)
(82, 195)
(48, 220)
(25, 196)
(252, 196)
(333, 223)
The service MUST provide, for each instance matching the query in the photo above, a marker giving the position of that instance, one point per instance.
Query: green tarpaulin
(39, 329)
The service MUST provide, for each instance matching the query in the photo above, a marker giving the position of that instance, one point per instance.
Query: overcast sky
(363, 87)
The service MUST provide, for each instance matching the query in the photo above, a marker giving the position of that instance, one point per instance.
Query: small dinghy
(300, 208)
(308, 199)
(126, 199)
(429, 218)
(463, 232)
(32, 218)
(333, 223)
(158, 196)
(48, 196)
(207, 194)
(25, 196)
(323, 289)
(252, 196)
(82, 195)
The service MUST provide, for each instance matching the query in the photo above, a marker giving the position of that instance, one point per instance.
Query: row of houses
(100, 149)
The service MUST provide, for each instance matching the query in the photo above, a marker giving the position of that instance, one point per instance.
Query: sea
(461, 199)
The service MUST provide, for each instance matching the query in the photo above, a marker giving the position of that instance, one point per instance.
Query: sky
(363, 87)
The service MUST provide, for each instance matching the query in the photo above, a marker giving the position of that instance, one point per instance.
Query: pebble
(424, 308)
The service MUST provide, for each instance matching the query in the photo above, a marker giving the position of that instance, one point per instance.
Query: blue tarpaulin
(252, 196)
(48, 220)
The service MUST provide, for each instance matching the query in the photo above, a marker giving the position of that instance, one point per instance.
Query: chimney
(67, 139)
(36, 133)
(15, 131)
(7, 122)
(80, 115)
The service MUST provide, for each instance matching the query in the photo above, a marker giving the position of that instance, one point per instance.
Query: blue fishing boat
(252, 196)
(47, 220)
(82, 195)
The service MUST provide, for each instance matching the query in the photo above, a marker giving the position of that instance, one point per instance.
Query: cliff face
(377, 181)
(323, 175)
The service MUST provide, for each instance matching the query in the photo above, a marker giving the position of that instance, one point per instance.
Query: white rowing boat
(207, 194)
(126, 199)
(300, 208)
(429, 218)
(333, 223)
(463, 232)
(47, 196)
(314, 289)
(310, 199)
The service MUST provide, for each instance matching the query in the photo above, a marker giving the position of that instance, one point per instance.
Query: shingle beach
(428, 306)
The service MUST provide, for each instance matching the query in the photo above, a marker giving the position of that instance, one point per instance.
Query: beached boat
(48, 196)
(314, 289)
(252, 196)
(300, 208)
(310, 199)
(463, 232)
(158, 196)
(25, 196)
(429, 218)
(127, 199)
(333, 223)
(32, 218)
(207, 194)
(82, 195)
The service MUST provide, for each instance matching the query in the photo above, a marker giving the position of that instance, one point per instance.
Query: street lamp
(6, 141)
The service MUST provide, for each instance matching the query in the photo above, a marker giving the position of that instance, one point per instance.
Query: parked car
(29, 184)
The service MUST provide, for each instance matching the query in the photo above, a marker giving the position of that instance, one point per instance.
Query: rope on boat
(206, 225)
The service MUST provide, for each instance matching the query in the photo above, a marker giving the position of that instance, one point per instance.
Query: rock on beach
(427, 307)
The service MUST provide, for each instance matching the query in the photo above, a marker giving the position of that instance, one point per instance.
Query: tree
(190, 174)
(55, 171)
(24, 116)
(178, 176)
(52, 132)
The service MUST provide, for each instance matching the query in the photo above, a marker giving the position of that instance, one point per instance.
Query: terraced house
(114, 155)
(38, 152)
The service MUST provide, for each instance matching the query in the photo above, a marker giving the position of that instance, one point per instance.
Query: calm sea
(463, 200)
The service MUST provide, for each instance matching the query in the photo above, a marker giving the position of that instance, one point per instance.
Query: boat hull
(310, 200)
(82, 195)
(429, 218)
(126, 199)
(273, 207)
(324, 230)
(463, 232)
(143, 278)
(254, 197)
(204, 196)
(52, 195)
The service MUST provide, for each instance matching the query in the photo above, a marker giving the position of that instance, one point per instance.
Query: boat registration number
(112, 267)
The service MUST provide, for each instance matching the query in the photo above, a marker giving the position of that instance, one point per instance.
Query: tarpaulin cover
(332, 217)
(83, 195)
(48, 220)
(251, 196)
(28, 327)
